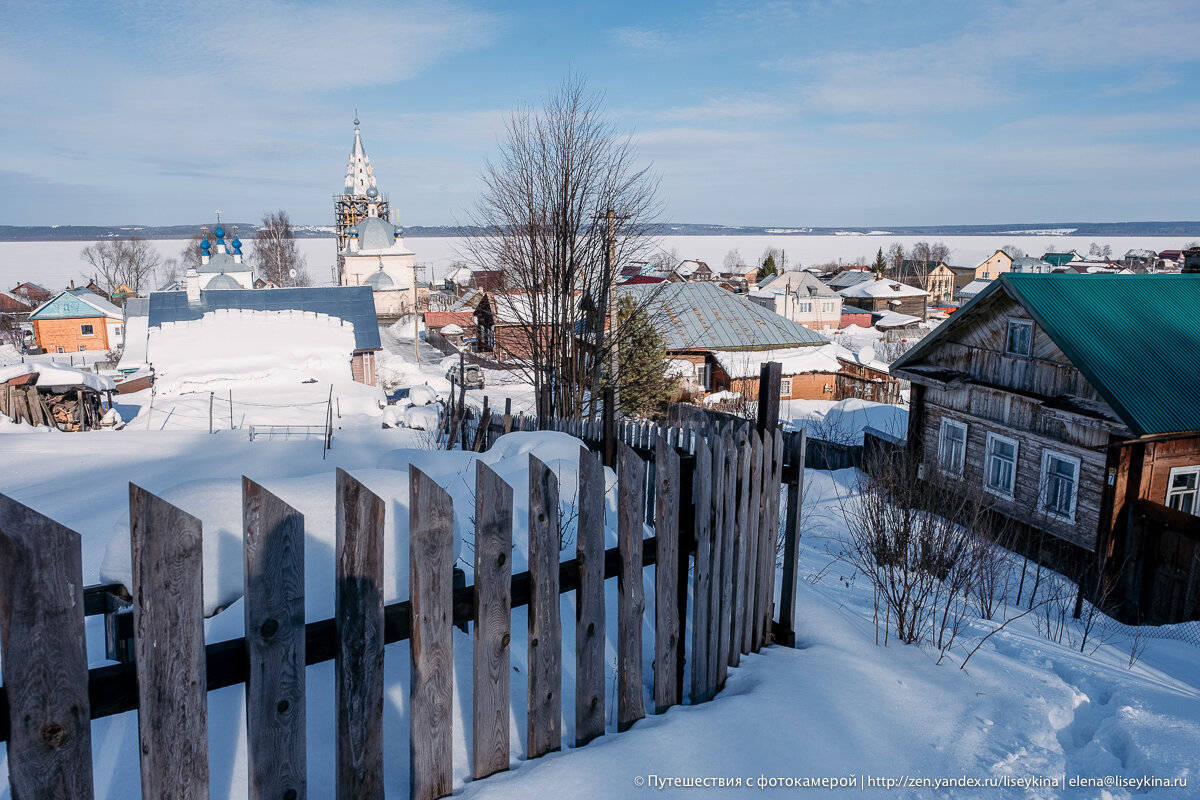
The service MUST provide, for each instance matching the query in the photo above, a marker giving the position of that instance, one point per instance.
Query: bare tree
(733, 260)
(276, 253)
(189, 256)
(129, 261)
(563, 206)
(1014, 251)
(169, 272)
(895, 258)
(664, 260)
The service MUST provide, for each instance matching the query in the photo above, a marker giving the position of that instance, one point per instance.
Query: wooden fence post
(589, 601)
(631, 604)
(666, 575)
(791, 541)
(702, 573)
(168, 620)
(358, 667)
(493, 621)
(770, 375)
(45, 664)
(771, 536)
(431, 648)
(273, 547)
(545, 626)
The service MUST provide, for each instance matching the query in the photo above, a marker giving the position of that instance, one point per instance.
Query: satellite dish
(292, 272)
(866, 355)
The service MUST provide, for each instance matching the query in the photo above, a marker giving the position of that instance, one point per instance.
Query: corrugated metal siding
(1135, 337)
(354, 304)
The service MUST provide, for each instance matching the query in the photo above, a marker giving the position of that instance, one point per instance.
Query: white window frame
(827, 306)
(954, 469)
(1019, 323)
(1043, 491)
(804, 306)
(987, 465)
(785, 388)
(1195, 497)
(82, 326)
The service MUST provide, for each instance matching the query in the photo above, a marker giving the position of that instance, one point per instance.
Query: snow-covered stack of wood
(54, 395)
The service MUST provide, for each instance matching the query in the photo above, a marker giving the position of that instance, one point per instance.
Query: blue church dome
(205, 245)
(380, 281)
(372, 192)
(219, 232)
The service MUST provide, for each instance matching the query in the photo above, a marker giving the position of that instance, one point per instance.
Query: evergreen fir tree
(768, 267)
(645, 385)
(880, 265)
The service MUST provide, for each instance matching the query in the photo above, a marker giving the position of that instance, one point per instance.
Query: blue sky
(769, 113)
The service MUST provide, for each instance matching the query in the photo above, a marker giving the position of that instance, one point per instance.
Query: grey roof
(223, 262)
(848, 278)
(803, 284)
(379, 281)
(703, 316)
(375, 233)
(354, 304)
(223, 281)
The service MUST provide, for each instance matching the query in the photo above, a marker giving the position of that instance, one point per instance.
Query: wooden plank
(273, 539)
(728, 501)
(493, 621)
(751, 626)
(716, 504)
(168, 621)
(431, 594)
(631, 603)
(545, 626)
(791, 541)
(44, 651)
(358, 668)
(666, 576)
(702, 572)
(772, 534)
(737, 603)
(589, 601)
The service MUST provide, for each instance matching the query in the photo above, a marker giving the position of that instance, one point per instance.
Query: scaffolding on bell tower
(360, 198)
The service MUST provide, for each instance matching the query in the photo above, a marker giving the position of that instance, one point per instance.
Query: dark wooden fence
(722, 555)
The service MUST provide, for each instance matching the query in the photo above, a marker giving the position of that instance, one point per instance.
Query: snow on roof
(239, 346)
(137, 328)
(51, 374)
(452, 330)
(801, 283)
(881, 288)
(680, 368)
(794, 360)
(15, 371)
(974, 287)
(894, 319)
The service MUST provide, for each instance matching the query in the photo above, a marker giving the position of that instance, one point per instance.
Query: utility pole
(610, 258)
(416, 318)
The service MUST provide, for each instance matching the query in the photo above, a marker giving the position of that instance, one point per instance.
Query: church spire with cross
(360, 197)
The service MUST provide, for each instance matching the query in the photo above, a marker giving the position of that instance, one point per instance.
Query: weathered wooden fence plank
(751, 622)
(631, 604)
(702, 572)
(728, 501)
(791, 541)
(738, 599)
(431, 648)
(273, 549)
(358, 669)
(45, 663)
(764, 550)
(771, 535)
(666, 576)
(589, 601)
(493, 621)
(716, 502)
(168, 620)
(545, 626)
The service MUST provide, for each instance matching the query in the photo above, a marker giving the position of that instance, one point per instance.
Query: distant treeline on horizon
(50, 233)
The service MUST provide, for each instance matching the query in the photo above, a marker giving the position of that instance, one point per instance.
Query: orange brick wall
(55, 333)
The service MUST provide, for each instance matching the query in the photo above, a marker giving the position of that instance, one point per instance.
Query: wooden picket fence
(732, 477)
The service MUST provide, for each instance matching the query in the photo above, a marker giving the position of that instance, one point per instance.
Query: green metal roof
(1059, 259)
(1136, 338)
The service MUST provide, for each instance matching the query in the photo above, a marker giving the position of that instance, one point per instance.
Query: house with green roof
(1072, 404)
(1061, 259)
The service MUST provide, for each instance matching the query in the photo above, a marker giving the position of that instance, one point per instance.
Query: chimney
(193, 286)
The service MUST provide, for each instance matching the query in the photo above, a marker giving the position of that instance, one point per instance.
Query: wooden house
(880, 295)
(36, 295)
(935, 277)
(1073, 403)
(802, 298)
(76, 320)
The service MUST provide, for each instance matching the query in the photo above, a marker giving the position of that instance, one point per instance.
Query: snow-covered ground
(836, 707)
